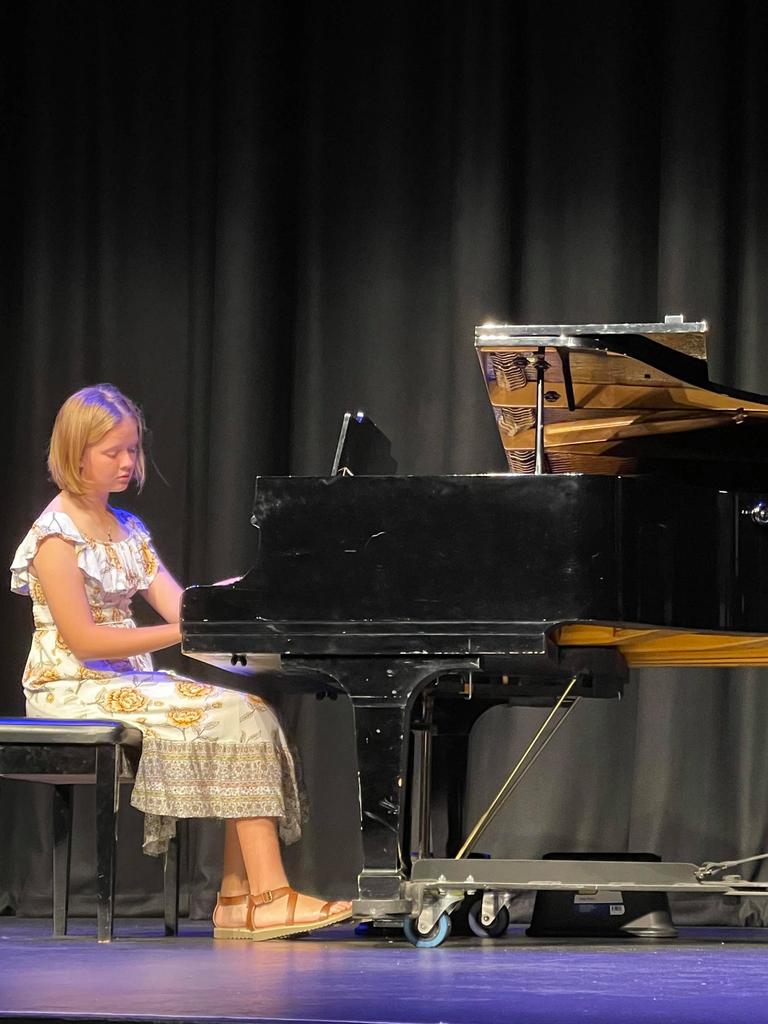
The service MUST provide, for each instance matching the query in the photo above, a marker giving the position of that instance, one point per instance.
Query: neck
(91, 501)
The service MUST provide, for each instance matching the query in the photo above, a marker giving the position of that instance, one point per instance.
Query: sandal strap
(270, 895)
(230, 901)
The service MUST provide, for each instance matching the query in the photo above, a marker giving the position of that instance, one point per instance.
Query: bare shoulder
(55, 550)
(56, 543)
(56, 504)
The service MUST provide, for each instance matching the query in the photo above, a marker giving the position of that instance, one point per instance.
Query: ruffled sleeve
(119, 567)
(50, 524)
(146, 559)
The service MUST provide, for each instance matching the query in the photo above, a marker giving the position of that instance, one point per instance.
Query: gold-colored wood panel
(669, 647)
(614, 428)
(612, 396)
(692, 344)
(585, 367)
(522, 460)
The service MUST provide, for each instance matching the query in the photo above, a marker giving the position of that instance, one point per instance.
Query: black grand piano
(631, 529)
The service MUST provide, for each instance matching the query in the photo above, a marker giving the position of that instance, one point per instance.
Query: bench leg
(107, 792)
(171, 886)
(62, 848)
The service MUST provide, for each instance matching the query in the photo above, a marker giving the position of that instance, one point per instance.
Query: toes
(313, 906)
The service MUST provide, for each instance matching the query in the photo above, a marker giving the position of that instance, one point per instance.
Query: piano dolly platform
(438, 886)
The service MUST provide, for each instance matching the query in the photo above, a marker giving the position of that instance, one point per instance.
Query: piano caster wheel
(436, 935)
(495, 929)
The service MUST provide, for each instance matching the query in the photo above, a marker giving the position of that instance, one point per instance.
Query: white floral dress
(208, 752)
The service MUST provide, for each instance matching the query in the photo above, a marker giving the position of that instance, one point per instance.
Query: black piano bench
(69, 753)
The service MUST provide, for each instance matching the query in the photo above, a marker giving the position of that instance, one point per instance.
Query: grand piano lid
(616, 397)
(675, 333)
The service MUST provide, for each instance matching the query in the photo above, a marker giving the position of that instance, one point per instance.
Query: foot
(309, 910)
(230, 916)
(278, 913)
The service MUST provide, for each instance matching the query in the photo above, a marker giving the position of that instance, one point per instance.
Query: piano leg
(383, 692)
(381, 753)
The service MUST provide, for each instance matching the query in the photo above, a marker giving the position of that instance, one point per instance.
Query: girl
(207, 752)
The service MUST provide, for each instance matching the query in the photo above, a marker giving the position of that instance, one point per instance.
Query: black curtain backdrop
(254, 216)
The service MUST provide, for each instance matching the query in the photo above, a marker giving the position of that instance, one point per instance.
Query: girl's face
(108, 464)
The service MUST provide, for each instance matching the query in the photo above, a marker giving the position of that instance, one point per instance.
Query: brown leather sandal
(241, 899)
(290, 926)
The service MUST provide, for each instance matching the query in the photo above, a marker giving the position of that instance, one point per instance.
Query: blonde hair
(82, 420)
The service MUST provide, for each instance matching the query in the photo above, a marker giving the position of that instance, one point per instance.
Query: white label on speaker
(601, 896)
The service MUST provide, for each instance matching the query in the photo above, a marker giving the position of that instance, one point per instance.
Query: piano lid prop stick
(530, 763)
(541, 366)
(507, 789)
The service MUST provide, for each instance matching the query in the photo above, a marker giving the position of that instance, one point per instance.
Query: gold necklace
(109, 532)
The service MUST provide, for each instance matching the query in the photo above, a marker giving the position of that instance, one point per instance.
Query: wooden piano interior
(611, 407)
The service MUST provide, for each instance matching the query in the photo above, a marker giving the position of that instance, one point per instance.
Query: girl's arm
(164, 594)
(55, 566)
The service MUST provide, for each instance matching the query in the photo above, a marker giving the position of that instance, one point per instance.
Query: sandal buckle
(266, 896)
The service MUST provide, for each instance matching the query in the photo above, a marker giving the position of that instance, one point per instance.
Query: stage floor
(705, 975)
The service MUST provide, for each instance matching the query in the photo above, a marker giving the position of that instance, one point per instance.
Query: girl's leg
(260, 849)
(260, 853)
(234, 883)
(234, 880)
